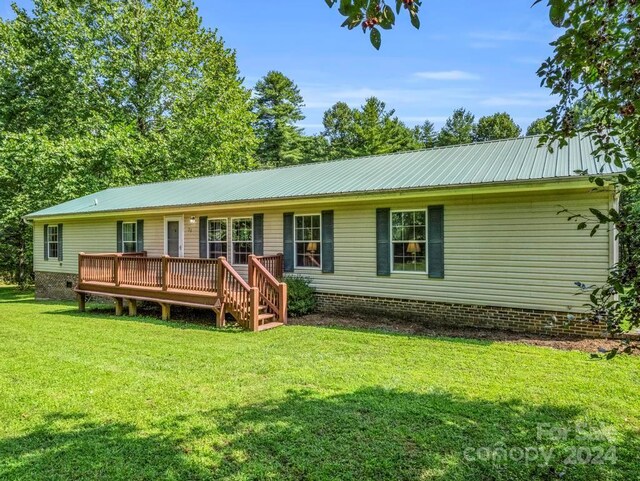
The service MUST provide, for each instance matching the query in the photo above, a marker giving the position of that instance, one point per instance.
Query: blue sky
(479, 55)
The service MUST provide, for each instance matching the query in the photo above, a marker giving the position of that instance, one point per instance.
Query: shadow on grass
(376, 433)
(10, 294)
(74, 447)
(372, 433)
(149, 315)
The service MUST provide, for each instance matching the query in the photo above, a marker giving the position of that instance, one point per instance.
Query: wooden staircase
(257, 305)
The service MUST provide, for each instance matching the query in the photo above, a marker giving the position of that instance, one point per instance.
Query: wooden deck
(258, 304)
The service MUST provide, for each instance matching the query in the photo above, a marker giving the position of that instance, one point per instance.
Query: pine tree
(278, 107)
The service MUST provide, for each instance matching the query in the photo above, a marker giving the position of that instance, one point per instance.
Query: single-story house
(464, 235)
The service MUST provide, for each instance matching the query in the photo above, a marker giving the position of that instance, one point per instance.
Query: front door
(173, 238)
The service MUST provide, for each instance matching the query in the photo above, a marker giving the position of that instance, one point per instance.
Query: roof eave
(579, 181)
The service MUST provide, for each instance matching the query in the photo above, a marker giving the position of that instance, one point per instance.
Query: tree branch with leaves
(373, 15)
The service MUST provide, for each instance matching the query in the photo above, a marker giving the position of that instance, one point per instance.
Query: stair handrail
(257, 273)
(247, 307)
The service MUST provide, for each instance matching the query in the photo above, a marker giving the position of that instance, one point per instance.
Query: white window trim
(136, 236)
(226, 220)
(295, 243)
(180, 219)
(426, 240)
(57, 243)
(233, 247)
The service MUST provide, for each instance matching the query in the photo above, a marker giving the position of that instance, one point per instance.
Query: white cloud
(520, 99)
(446, 75)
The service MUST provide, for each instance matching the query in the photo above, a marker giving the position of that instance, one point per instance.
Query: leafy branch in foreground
(373, 15)
(595, 73)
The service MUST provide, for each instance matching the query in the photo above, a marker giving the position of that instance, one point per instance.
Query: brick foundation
(55, 285)
(439, 313)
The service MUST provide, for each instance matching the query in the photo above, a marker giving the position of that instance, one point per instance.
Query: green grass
(92, 396)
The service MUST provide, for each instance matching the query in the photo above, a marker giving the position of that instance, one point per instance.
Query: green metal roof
(500, 161)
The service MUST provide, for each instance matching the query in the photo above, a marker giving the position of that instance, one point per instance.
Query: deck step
(269, 325)
(266, 316)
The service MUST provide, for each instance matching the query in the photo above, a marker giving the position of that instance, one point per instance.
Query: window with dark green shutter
(409, 240)
(436, 241)
(140, 235)
(45, 240)
(308, 242)
(129, 237)
(258, 234)
(218, 238)
(327, 241)
(383, 242)
(203, 235)
(119, 236)
(288, 242)
(60, 239)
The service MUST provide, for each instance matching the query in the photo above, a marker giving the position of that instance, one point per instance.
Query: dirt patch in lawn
(567, 343)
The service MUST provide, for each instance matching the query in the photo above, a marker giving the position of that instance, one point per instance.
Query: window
(217, 238)
(307, 239)
(52, 241)
(408, 235)
(129, 237)
(242, 239)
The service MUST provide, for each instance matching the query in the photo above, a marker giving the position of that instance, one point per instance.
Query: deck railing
(274, 264)
(138, 270)
(260, 301)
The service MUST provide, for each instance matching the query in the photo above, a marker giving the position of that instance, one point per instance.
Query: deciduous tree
(539, 127)
(495, 127)
(105, 93)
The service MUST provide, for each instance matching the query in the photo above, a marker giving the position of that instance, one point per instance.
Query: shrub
(301, 296)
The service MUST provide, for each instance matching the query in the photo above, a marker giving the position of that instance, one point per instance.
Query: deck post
(254, 308)
(251, 269)
(165, 273)
(116, 270)
(280, 269)
(119, 306)
(80, 262)
(133, 307)
(220, 316)
(82, 299)
(166, 311)
(282, 293)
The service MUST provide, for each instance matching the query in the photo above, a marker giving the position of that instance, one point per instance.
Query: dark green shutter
(383, 241)
(327, 241)
(258, 234)
(119, 236)
(140, 235)
(436, 241)
(60, 256)
(203, 236)
(287, 238)
(46, 242)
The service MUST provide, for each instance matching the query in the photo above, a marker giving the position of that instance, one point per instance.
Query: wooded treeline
(102, 93)
(373, 128)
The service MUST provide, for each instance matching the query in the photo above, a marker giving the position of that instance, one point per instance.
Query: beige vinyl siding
(504, 250)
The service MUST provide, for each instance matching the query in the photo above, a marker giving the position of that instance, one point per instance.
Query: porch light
(192, 219)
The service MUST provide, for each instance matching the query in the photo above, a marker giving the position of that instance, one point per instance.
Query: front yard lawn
(92, 396)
